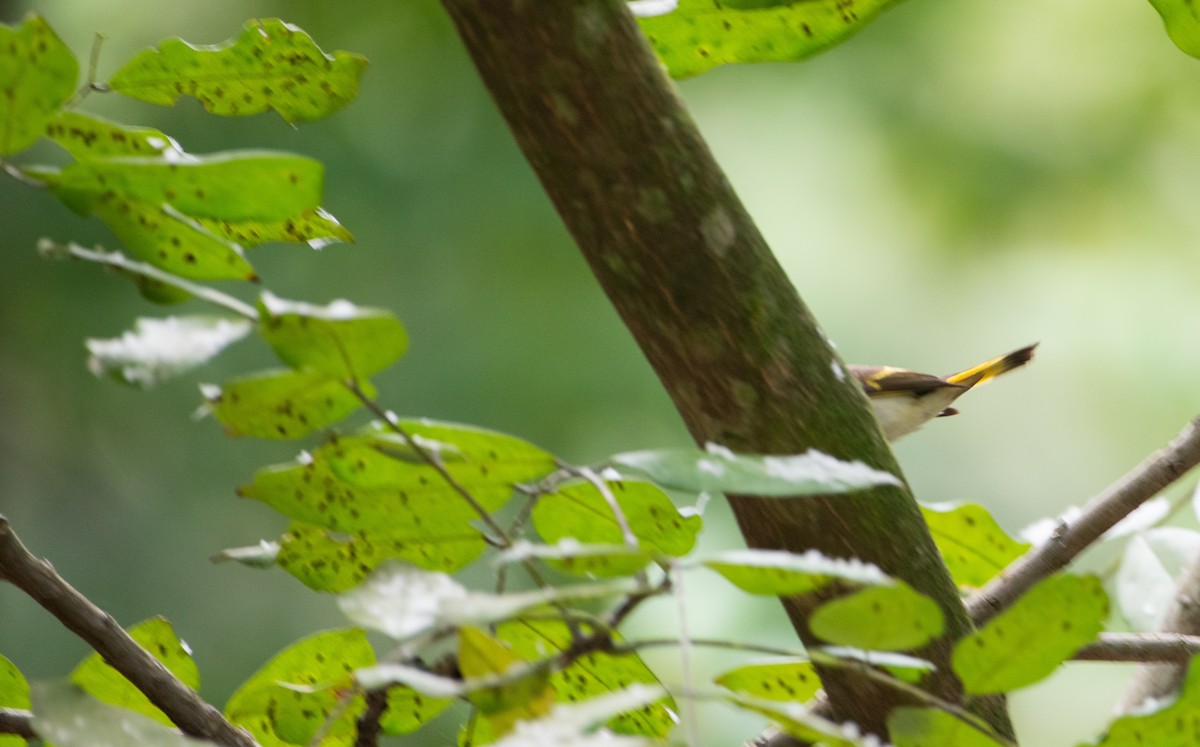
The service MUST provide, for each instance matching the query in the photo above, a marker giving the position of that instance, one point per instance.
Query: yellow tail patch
(993, 368)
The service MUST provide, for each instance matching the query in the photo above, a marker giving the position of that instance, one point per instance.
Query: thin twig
(1097, 517)
(99, 630)
(1174, 648)
(368, 728)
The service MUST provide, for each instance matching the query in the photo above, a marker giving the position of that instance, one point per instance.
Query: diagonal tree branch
(99, 630)
(1100, 514)
(694, 281)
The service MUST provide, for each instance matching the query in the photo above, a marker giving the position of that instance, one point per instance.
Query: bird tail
(993, 368)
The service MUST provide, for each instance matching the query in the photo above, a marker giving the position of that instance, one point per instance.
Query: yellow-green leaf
(1182, 19)
(591, 675)
(281, 404)
(14, 693)
(1168, 723)
(1031, 638)
(882, 618)
(973, 545)
(375, 480)
(701, 34)
(314, 227)
(777, 573)
(272, 65)
(481, 655)
(246, 185)
(343, 340)
(789, 681)
(579, 511)
(909, 726)
(85, 136)
(38, 74)
(295, 694)
(326, 560)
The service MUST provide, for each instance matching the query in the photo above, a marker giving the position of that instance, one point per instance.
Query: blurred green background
(959, 180)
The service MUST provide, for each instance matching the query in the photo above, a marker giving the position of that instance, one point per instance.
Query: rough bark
(693, 279)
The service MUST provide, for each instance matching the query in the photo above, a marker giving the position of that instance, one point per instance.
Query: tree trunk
(741, 357)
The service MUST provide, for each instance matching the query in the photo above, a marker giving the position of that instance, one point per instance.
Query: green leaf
(314, 227)
(901, 666)
(1171, 723)
(85, 136)
(37, 75)
(408, 710)
(883, 618)
(529, 697)
(340, 339)
(107, 685)
(804, 724)
(66, 717)
(579, 512)
(375, 480)
(791, 681)
(1182, 20)
(281, 404)
(1031, 638)
(702, 34)
(158, 349)
(910, 726)
(973, 545)
(591, 675)
(14, 693)
(297, 693)
(325, 560)
(719, 469)
(242, 185)
(777, 573)
(272, 65)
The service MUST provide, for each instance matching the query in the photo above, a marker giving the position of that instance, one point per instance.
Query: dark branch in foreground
(1098, 516)
(18, 722)
(99, 630)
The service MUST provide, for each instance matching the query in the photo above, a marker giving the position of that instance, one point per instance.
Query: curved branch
(1097, 517)
(98, 629)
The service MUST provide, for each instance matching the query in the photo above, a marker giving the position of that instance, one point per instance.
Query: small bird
(905, 400)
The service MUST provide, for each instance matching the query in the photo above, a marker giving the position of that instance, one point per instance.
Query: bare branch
(1175, 648)
(1098, 516)
(99, 630)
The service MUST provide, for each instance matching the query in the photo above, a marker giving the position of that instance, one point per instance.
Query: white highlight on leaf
(648, 8)
(838, 372)
(403, 601)
(400, 600)
(157, 349)
(335, 311)
(718, 450)
(567, 547)
(810, 561)
(572, 725)
(878, 658)
(718, 468)
(1145, 580)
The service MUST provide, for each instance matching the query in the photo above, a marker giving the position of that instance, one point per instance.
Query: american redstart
(905, 400)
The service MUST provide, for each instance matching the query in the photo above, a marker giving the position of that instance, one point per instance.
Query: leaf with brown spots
(271, 66)
(303, 690)
(38, 74)
(702, 34)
